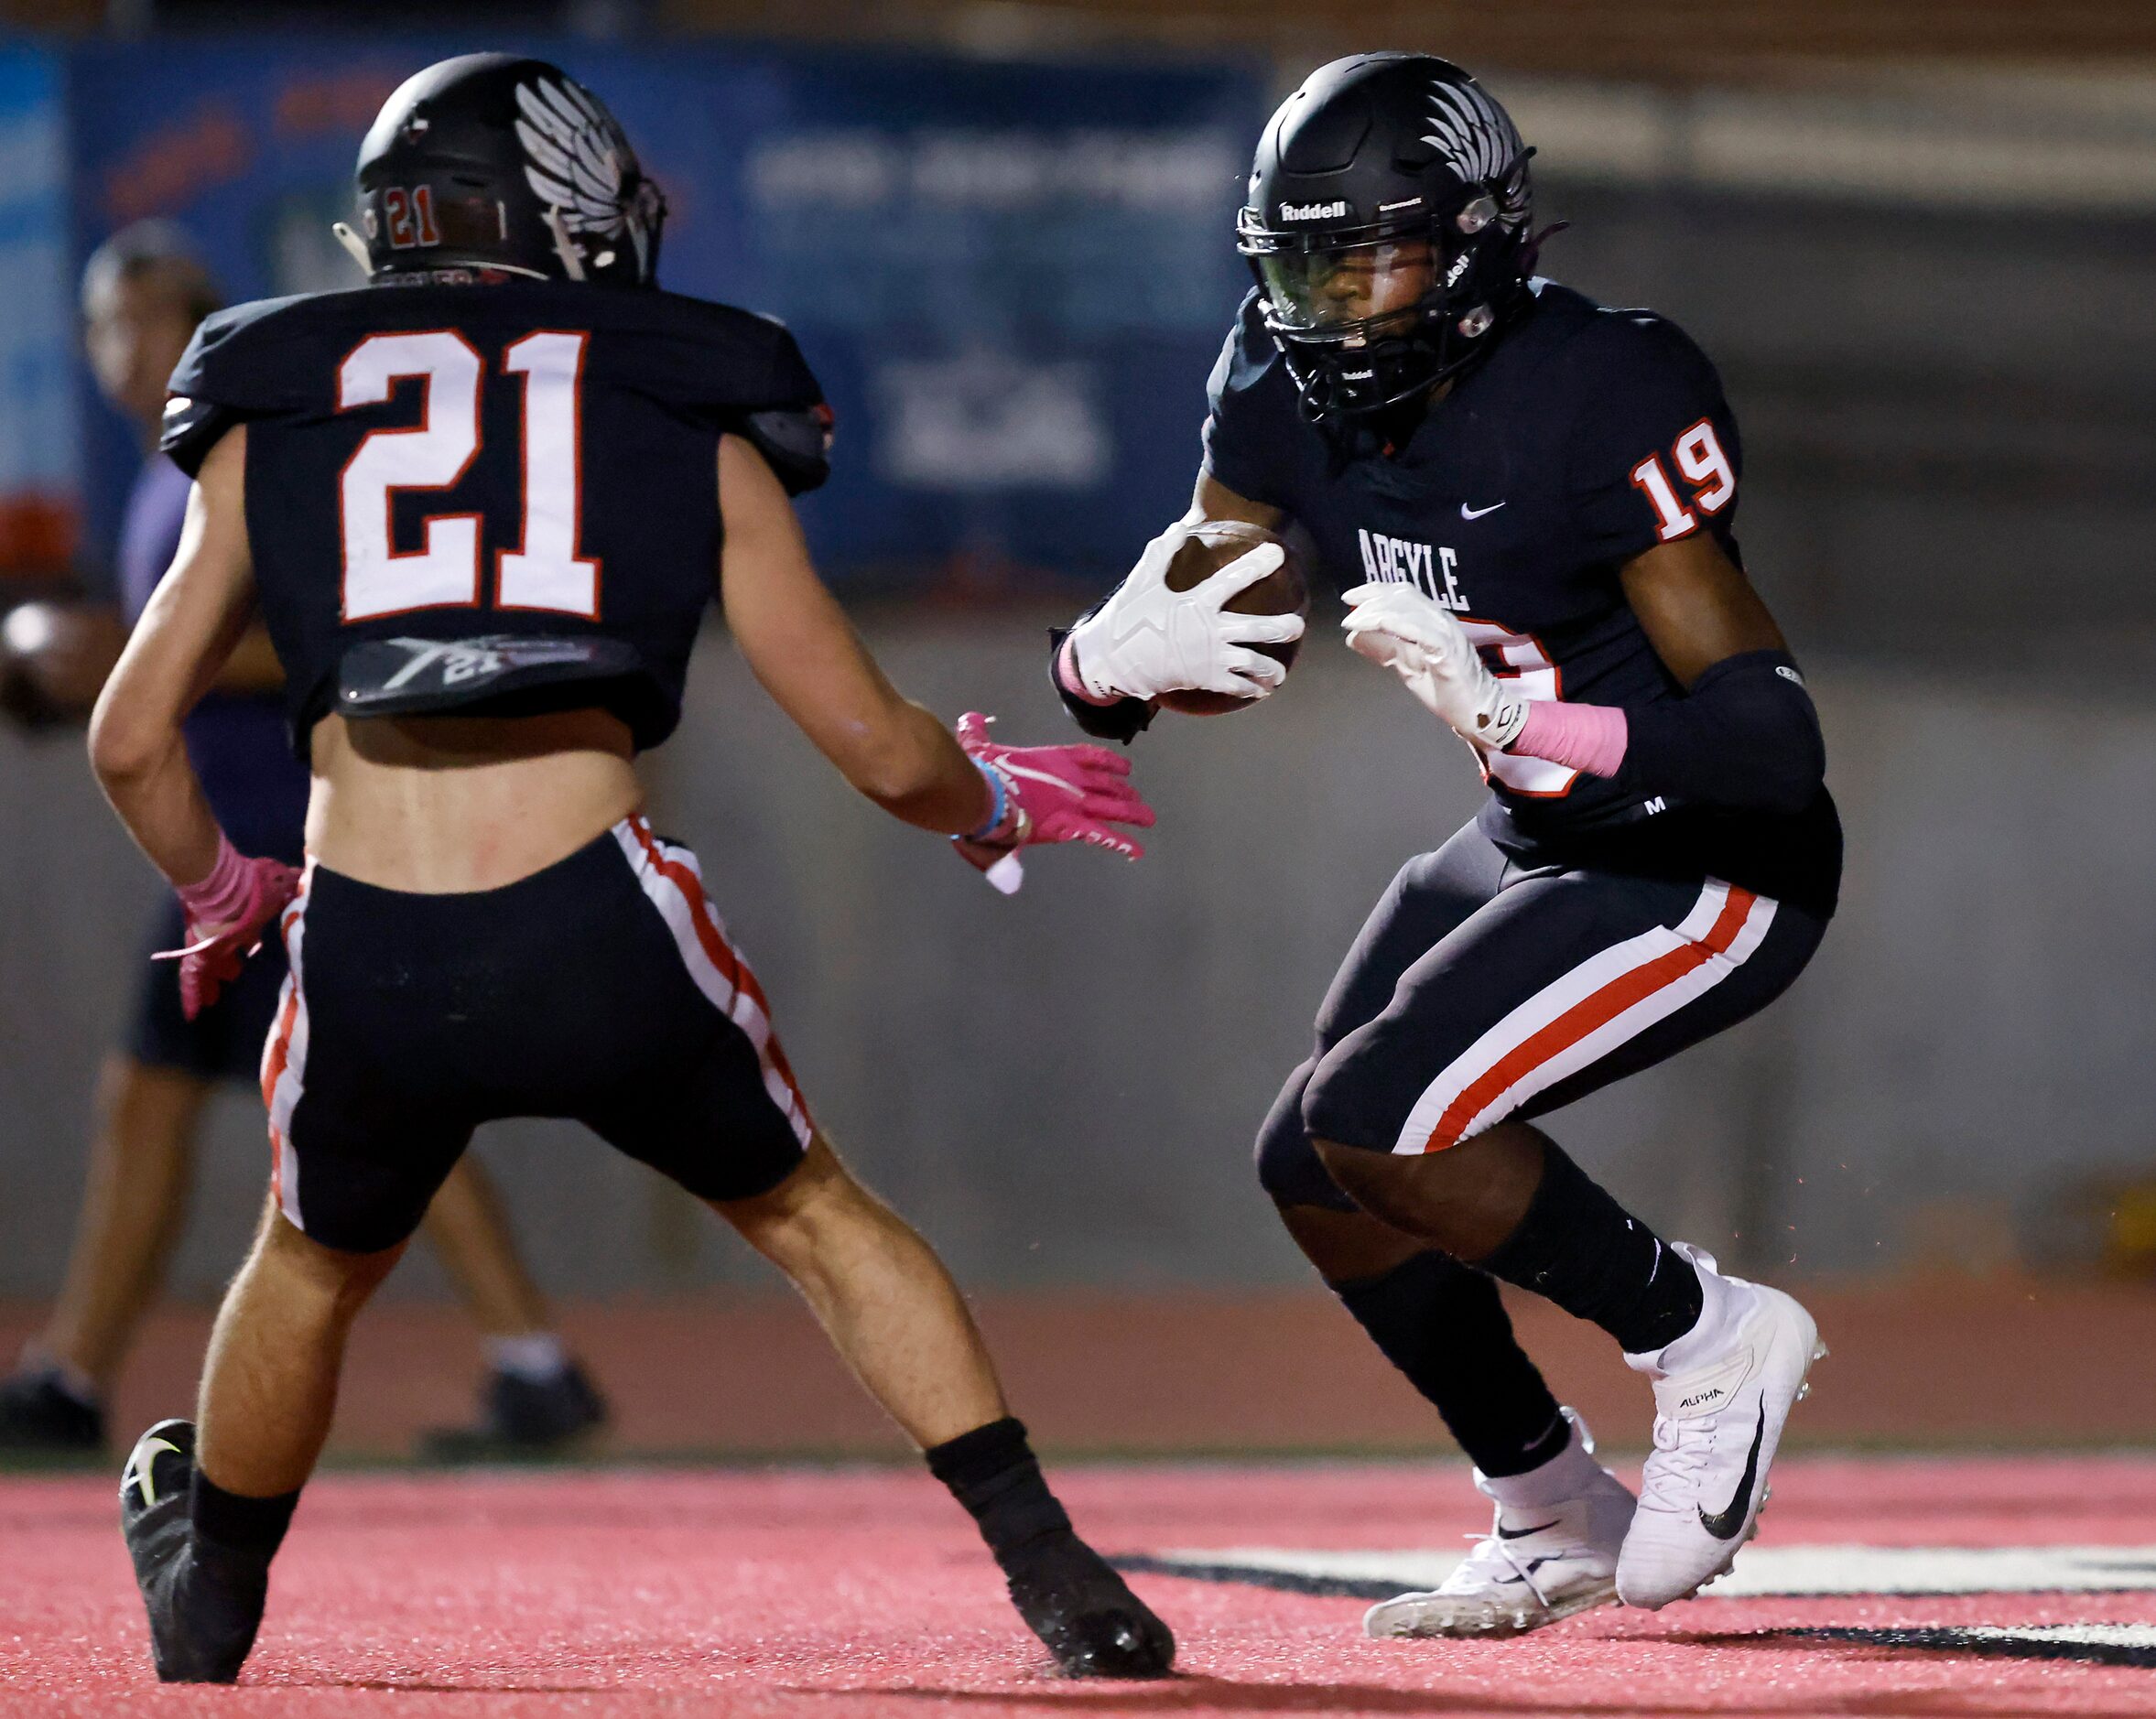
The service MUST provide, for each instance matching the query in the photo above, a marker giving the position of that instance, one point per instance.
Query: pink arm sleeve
(1589, 736)
(1067, 674)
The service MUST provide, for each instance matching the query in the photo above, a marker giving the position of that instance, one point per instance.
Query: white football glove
(1146, 639)
(1423, 641)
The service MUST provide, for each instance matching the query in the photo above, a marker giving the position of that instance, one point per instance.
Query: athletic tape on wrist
(999, 809)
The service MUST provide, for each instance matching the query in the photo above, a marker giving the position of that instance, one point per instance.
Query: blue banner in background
(39, 479)
(1012, 279)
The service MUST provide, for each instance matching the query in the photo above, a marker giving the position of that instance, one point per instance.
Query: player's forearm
(916, 771)
(1746, 737)
(151, 784)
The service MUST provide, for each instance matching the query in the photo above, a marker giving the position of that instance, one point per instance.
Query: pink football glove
(1047, 794)
(226, 913)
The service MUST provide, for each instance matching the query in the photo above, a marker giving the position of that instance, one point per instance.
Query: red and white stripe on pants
(1609, 998)
(284, 1057)
(673, 880)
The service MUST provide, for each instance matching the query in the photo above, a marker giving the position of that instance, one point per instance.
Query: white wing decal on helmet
(572, 157)
(1479, 142)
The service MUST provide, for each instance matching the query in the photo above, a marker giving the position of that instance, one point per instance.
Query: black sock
(232, 1522)
(1582, 1250)
(1442, 1325)
(994, 1473)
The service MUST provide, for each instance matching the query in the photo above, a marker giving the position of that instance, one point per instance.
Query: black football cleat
(39, 1417)
(1085, 1612)
(522, 1420)
(204, 1601)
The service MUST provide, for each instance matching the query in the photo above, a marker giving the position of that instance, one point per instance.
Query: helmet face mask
(1351, 292)
(1387, 228)
(495, 164)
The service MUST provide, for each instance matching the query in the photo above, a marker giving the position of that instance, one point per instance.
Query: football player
(1528, 498)
(144, 292)
(482, 505)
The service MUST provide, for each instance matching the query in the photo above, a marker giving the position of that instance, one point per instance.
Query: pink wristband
(1589, 736)
(1067, 674)
(223, 896)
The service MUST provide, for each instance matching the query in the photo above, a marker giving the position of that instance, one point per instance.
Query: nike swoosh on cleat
(1726, 1524)
(1477, 513)
(1521, 1533)
(142, 1476)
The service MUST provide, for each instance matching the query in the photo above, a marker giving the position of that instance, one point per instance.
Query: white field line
(1768, 1571)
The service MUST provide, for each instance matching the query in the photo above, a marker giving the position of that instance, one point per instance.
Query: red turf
(863, 1593)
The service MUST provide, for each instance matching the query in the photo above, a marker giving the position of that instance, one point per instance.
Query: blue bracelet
(997, 811)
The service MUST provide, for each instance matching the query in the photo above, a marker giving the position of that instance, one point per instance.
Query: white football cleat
(1551, 1553)
(1722, 1392)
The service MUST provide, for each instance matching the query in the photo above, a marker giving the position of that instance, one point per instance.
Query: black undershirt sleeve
(1123, 720)
(1745, 736)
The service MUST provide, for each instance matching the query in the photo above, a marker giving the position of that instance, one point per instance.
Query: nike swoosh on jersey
(1726, 1524)
(1477, 513)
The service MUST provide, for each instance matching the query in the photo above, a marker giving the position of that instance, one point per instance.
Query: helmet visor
(1318, 290)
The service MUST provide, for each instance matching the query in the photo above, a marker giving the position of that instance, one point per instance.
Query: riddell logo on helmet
(1313, 211)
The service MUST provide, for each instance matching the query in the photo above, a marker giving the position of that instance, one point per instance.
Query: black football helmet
(497, 163)
(1389, 227)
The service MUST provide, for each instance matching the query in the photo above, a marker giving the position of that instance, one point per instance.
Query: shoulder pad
(747, 369)
(190, 430)
(1631, 342)
(795, 441)
(227, 374)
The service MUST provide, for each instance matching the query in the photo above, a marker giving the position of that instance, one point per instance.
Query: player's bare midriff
(439, 805)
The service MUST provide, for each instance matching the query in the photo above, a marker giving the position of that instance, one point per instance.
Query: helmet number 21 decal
(544, 571)
(410, 215)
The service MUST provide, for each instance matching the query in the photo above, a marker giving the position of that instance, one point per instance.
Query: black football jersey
(1587, 437)
(490, 498)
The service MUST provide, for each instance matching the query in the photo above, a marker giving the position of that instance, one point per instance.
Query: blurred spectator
(144, 292)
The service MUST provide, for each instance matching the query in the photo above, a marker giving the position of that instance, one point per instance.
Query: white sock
(1722, 1301)
(538, 1357)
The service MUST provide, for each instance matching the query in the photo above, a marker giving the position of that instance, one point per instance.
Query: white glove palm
(1423, 641)
(1146, 639)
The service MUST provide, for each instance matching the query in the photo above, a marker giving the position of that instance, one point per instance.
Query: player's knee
(1340, 1104)
(342, 1277)
(806, 1214)
(1288, 1165)
(1466, 1199)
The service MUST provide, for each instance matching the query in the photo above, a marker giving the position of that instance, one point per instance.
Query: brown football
(1283, 591)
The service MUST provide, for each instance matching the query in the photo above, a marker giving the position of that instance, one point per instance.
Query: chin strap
(572, 264)
(354, 246)
(1531, 253)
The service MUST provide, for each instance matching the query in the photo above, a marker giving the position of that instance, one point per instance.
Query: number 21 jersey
(527, 467)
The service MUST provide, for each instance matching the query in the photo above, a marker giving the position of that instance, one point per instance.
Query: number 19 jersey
(1587, 437)
(495, 498)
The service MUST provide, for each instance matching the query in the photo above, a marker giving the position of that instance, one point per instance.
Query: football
(1283, 591)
